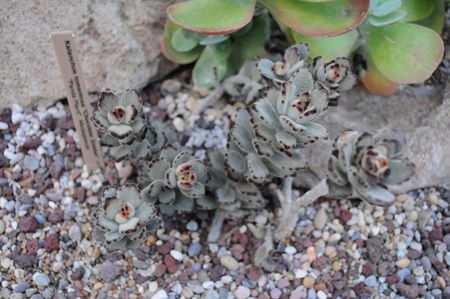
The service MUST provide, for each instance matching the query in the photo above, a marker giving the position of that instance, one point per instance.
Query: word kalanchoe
(123, 219)
(364, 164)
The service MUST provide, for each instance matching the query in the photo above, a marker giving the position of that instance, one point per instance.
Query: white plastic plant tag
(72, 75)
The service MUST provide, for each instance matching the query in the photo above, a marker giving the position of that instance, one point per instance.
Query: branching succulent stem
(290, 208)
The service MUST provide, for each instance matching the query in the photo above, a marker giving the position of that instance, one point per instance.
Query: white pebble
(161, 294)
(41, 279)
(176, 255)
(291, 250)
(229, 262)
(3, 126)
(299, 273)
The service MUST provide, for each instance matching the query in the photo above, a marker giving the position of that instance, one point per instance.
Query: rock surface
(422, 113)
(118, 42)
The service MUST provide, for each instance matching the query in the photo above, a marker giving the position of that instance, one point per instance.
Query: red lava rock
(409, 291)
(254, 273)
(56, 216)
(436, 234)
(361, 289)
(165, 248)
(52, 242)
(32, 247)
(31, 143)
(368, 269)
(237, 251)
(345, 216)
(243, 240)
(393, 279)
(27, 224)
(170, 263)
(160, 270)
(183, 277)
(79, 193)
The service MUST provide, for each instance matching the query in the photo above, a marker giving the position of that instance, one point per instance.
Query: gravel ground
(340, 249)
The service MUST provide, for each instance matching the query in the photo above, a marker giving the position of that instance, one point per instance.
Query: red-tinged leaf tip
(319, 18)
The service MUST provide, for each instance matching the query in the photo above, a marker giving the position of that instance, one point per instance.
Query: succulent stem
(216, 226)
(290, 208)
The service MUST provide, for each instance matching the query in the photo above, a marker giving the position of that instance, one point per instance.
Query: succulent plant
(173, 181)
(335, 76)
(196, 28)
(141, 139)
(364, 164)
(394, 41)
(246, 84)
(280, 71)
(236, 199)
(123, 218)
(265, 140)
(218, 55)
(120, 116)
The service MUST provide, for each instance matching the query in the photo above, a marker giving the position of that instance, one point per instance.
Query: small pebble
(320, 219)
(229, 262)
(242, 292)
(176, 255)
(192, 226)
(41, 279)
(161, 294)
(291, 250)
(308, 281)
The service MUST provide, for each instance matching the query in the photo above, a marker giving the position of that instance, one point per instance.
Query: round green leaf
(212, 64)
(319, 19)
(251, 44)
(184, 40)
(170, 53)
(328, 47)
(403, 52)
(435, 20)
(375, 82)
(416, 9)
(212, 16)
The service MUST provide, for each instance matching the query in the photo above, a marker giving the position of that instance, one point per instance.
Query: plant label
(79, 104)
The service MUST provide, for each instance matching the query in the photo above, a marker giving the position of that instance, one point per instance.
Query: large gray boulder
(118, 42)
(422, 113)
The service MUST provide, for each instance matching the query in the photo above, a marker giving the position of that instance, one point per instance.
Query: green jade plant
(399, 41)
(264, 146)
(223, 34)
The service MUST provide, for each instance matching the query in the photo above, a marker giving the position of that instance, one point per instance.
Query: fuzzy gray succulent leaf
(367, 163)
(121, 218)
(245, 85)
(173, 179)
(235, 199)
(294, 59)
(120, 115)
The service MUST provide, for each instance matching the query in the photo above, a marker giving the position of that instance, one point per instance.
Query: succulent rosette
(366, 164)
(280, 71)
(120, 115)
(123, 218)
(174, 180)
(335, 76)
